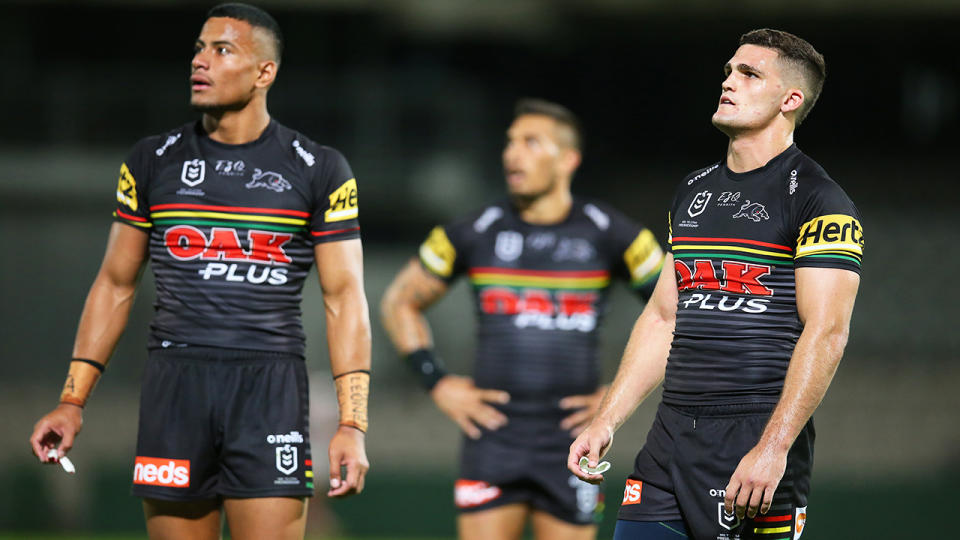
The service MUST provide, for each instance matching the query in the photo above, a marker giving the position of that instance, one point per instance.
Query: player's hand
(752, 485)
(586, 406)
(347, 449)
(57, 429)
(593, 443)
(468, 406)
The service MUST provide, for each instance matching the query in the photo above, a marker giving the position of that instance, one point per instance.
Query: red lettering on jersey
(704, 276)
(684, 276)
(571, 303)
(184, 242)
(744, 278)
(499, 301)
(537, 301)
(224, 245)
(268, 247)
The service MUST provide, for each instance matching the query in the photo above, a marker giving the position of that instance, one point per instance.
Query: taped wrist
(426, 366)
(81, 378)
(353, 391)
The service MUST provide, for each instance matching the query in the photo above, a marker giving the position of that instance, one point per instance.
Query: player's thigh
(650, 530)
(549, 527)
(501, 523)
(182, 520)
(266, 518)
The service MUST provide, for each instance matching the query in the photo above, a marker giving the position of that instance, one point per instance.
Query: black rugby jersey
(541, 290)
(736, 240)
(232, 230)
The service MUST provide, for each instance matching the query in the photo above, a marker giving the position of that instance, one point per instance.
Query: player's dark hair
(796, 53)
(556, 111)
(253, 15)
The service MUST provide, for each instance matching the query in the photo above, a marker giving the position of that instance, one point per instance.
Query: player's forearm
(104, 317)
(405, 324)
(641, 368)
(814, 362)
(348, 329)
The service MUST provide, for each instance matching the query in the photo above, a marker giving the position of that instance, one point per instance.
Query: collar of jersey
(761, 171)
(203, 136)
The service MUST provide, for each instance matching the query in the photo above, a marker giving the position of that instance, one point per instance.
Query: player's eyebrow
(742, 68)
(217, 43)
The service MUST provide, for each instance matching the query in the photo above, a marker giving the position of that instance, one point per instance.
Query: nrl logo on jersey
(194, 171)
(699, 203)
(270, 180)
(509, 245)
(286, 459)
(753, 211)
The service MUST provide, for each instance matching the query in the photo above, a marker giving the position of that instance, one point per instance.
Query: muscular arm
(104, 317)
(403, 304)
(340, 265)
(641, 371)
(825, 298)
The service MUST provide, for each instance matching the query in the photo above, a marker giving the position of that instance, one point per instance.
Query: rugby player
(540, 262)
(748, 330)
(232, 210)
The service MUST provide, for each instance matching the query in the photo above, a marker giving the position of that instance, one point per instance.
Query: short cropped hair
(253, 15)
(561, 114)
(798, 54)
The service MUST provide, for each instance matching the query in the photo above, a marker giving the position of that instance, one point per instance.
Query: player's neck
(752, 150)
(548, 209)
(237, 127)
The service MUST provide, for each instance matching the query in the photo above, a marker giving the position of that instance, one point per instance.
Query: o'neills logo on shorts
(150, 471)
(467, 493)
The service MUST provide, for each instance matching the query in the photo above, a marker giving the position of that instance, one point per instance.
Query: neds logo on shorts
(165, 472)
(631, 492)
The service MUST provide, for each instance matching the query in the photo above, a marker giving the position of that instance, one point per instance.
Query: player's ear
(793, 100)
(570, 159)
(267, 73)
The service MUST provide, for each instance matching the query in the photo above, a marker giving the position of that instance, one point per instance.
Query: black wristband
(93, 363)
(426, 366)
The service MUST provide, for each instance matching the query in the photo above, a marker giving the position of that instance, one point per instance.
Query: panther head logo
(270, 180)
(752, 211)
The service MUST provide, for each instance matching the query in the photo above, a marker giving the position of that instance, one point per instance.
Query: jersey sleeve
(336, 207)
(829, 233)
(135, 172)
(638, 255)
(443, 253)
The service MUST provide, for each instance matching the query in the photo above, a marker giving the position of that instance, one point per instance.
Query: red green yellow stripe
(134, 220)
(228, 217)
(733, 240)
(589, 279)
(771, 530)
(768, 519)
(338, 231)
(242, 209)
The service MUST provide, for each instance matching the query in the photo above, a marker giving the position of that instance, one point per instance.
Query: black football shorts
(223, 423)
(525, 462)
(690, 454)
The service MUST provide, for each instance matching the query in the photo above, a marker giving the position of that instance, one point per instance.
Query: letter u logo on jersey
(699, 203)
(509, 245)
(193, 172)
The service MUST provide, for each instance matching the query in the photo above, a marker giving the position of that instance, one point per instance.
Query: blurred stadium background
(417, 95)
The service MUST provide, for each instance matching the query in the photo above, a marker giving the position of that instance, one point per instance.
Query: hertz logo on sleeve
(127, 188)
(831, 233)
(343, 203)
(644, 257)
(437, 253)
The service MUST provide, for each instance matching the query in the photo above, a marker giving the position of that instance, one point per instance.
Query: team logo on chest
(753, 211)
(194, 171)
(509, 245)
(270, 180)
(699, 203)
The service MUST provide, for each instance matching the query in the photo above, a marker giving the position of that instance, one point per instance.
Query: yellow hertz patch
(644, 257)
(437, 253)
(833, 233)
(127, 188)
(343, 203)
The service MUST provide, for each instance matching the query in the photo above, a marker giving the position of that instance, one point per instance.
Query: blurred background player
(233, 211)
(748, 330)
(541, 263)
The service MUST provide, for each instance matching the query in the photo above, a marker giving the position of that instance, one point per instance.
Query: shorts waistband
(220, 354)
(735, 409)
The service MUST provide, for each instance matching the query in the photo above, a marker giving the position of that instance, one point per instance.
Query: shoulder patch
(643, 258)
(833, 235)
(171, 139)
(437, 253)
(489, 216)
(127, 188)
(307, 157)
(343, 203)
(598, 216)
